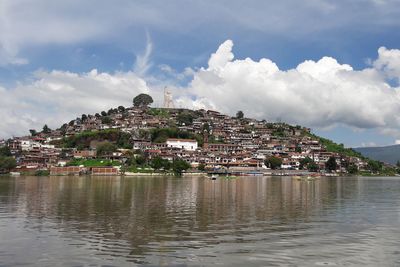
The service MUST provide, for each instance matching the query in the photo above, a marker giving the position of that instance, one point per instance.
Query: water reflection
(196, 221)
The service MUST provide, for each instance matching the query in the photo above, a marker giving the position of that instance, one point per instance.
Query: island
(142, 140)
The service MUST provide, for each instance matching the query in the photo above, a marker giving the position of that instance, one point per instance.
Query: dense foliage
(93, 163)
(105, 148)
(179, 166)
(160, 135)
(273, 162)
(7, 163)
(83, 140)
(142, 100)
(331, 164)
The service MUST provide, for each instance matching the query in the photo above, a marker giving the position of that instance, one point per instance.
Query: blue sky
(49, 49)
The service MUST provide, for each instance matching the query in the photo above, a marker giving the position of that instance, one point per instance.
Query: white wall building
(185, 144)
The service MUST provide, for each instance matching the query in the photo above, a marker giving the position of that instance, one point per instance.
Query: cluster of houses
(217, 141)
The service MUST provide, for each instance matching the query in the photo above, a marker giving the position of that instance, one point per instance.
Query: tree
(7, 163)
(398, 163)
(179, 166)
(121, 109)
(239, 114)
(110, 112)
(84, 117)
(201, 167)
(206, 127)
(105, 148)
(352, 169)
(5, 151)
(331, 164)
(374, 166)
(63, 128)
(103, 113)
(313, 167)
(273, 162)
(158, 163)
(106, 120)
(46, 129)
(184, 118)
(304, 162)
(142, 100)
(140, 160)
(33, 132)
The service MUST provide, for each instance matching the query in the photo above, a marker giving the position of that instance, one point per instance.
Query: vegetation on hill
(142, 100)
(336, 148)
(160, 135)
(84, 139)
(93, 163)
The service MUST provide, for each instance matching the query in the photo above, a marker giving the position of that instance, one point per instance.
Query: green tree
(105, 148)
(185, 118)
(352, 169)
(140, 160)
(273, 162)
(331, 164)
(201, 167)
(398, 163)
(239, 114)
(46, 129)
(142, 100)
(121, 109)
(5, 151)
(7, 163)
(103, 113)
(179, 166)
(158, 163)
(33, 132)
(313, 167)
(63, 128)
(106, 120)
(206, 127)
(374, 166)
(84, 117)
(304, 162)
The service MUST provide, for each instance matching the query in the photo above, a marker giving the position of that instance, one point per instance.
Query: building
(185, 144)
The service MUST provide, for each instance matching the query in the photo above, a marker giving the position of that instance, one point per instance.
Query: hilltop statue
(168, 102)
(142, 100)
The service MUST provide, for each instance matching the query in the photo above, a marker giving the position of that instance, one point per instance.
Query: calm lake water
(193, 221)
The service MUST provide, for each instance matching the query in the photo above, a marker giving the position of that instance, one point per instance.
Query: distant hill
(388, 154)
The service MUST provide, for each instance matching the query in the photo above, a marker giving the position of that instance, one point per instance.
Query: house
(78, 154)
(185, 144)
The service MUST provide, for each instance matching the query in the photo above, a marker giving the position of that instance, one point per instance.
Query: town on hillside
(141, 139)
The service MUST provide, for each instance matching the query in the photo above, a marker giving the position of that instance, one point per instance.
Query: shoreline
(266, 174)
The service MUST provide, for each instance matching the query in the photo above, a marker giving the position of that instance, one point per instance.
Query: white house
(185, 144)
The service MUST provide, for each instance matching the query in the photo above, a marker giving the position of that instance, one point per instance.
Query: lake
(193, 221)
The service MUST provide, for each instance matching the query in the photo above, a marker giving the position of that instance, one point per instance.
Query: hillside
(140, 138)
(387, 154)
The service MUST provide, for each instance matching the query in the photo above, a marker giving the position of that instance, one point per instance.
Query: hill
(139, 138)
(387, 154)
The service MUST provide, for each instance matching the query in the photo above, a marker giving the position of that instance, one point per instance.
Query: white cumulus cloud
(57, 97)
(316, 93)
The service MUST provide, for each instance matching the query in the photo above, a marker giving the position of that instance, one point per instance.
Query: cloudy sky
(333, 66)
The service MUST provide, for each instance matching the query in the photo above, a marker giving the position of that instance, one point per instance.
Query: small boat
(214, 177)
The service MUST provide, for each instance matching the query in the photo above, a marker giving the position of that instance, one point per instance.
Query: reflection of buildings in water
(143, 210)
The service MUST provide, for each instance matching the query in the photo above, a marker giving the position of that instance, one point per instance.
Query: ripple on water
(70, 221)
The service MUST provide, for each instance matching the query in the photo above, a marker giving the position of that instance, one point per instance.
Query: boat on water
(214, 177)
(306, 178)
